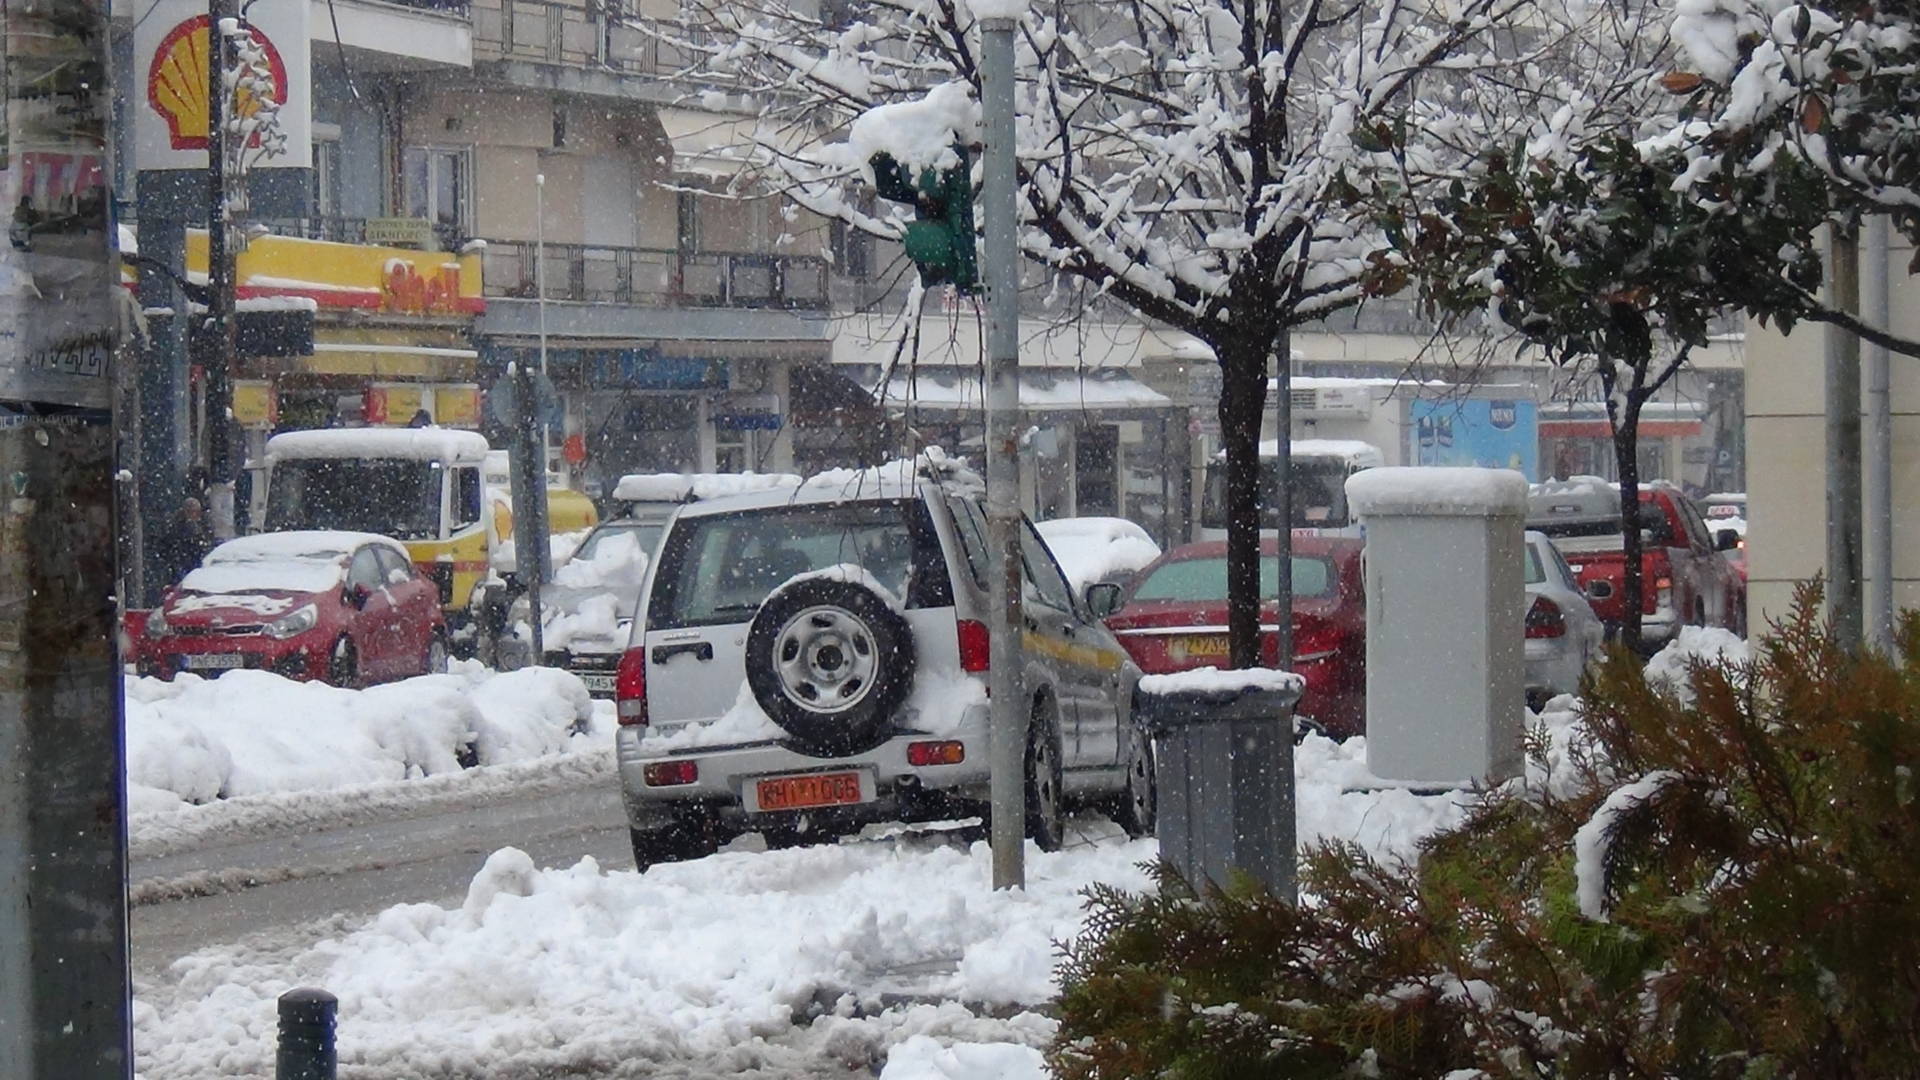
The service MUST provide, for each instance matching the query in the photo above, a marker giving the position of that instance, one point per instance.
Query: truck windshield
(393, 497)
(1319, 487)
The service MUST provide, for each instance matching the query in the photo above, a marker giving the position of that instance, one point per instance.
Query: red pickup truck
(1686, 582)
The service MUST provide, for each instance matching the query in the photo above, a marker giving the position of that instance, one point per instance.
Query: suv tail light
(1545, 619)
(630, 688)
(976, 645)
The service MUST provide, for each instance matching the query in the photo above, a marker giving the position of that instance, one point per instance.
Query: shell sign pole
(173, 48)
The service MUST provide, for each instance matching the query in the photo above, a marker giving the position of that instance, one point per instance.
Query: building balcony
(646, 277)
(581, 36)
(397, 34)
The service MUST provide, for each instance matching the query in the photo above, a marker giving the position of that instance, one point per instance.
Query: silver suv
(814, 658)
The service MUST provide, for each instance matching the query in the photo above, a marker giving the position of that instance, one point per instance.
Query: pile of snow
(194, 740)
(919, 134)
(1213, 681)
(1091, 549)
(1694, 644)
(559, 545)
(929, 465)
(564, 971)
(619, 561)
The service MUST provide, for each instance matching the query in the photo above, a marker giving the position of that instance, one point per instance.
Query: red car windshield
(1205, 579)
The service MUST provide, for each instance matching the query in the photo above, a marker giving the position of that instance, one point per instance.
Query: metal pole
(306, 1049)
(1843, 443)
(220, 274)
(1283, 503)
(64, 986)
(1008, 655)
(1878, 310)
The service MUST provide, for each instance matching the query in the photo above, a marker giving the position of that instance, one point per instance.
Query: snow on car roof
(680, 487)
(1352, 451)
(307, 561)
(448, 445)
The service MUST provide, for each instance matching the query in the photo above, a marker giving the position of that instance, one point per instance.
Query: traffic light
(940, 239)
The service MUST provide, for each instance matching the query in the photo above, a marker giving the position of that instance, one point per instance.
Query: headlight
(157, 623)
(298, 622)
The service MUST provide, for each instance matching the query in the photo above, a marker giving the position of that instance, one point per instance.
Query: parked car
(1563, 633)
(1092, 549)
(1174, 618)
(1686, 580)
(814, 658)
(340, 607)
(587, 610)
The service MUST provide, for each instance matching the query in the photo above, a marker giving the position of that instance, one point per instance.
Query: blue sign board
(623, 369)
(1490, 433)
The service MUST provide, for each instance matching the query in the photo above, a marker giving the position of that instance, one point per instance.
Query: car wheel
(343, 664)
(685, 839)
(1045, 824)
(436, 662)
(1139, 803)
(830, 662)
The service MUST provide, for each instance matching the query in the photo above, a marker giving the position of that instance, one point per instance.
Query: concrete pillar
(1445, 574)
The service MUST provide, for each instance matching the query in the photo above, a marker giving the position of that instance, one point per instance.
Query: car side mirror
(1103, 599)
(357, 595)
(1726, 540)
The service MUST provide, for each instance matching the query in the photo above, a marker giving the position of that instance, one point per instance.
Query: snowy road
(356, 870)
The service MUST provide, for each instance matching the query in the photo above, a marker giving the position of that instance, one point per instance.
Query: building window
(434, 181)
(326, 172)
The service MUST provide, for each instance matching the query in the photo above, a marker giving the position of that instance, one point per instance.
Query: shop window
(326, 175)
(434, 181)
(732, 451)
(1096, 455)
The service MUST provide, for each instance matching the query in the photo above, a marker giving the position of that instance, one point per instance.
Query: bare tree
(1206, 163)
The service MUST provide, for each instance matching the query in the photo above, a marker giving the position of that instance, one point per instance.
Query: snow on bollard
(1223, 750)
(1445, 623)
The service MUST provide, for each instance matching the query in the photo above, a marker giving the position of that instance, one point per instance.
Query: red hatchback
(341, 607)
(1175, 619)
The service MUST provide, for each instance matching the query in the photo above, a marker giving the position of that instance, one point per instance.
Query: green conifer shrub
(1751, 907)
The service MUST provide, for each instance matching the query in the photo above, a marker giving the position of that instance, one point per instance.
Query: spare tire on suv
(831, 661)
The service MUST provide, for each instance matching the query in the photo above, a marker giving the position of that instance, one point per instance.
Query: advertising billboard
(171, 56)
(1492, 433)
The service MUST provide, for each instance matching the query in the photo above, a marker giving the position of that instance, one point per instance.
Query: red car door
(375, 622)
(414, 602)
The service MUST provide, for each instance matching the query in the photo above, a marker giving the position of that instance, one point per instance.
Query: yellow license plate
(800, 792)
(1199, 647)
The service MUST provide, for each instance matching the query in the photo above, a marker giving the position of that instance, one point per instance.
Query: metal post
(1008, 655)
(1283, 506)
(64, 998)
(1844, 519)
(306, 1048)
(1878, 311)
(527, 463)
(220, 274)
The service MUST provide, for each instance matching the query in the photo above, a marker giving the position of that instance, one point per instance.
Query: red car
(1174, 618)
(340, 607)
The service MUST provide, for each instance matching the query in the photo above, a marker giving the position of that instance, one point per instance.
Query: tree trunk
(1626, 456)
(1243, 396)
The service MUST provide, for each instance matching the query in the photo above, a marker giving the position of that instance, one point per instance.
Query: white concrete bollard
(1446, 609)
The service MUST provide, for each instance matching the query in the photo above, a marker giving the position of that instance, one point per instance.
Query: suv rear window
(718, 568)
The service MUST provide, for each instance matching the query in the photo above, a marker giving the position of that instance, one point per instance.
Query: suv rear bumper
(903, 792)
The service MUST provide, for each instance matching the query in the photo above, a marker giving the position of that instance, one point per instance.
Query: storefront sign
(457, 405)
(396, 404)
(360, 276)
(746, 412)
(255, 404)
(399, 231)
(172, 49)
(648, 369)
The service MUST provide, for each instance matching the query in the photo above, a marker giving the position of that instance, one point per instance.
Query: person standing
(187, 539)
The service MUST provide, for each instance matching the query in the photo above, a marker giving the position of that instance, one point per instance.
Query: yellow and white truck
(425, 487)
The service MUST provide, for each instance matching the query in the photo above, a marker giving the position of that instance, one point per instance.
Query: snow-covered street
(488, 922)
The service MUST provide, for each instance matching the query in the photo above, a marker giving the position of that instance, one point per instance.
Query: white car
(1563, 633)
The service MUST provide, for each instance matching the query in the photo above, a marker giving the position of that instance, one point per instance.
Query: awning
(1049, 391)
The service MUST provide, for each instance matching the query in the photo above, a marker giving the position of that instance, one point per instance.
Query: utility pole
(64, 987)
(1009, 719)
(1283, 506)
(528, 454)
(1879, 443)
(1844, 519)
(220, 269)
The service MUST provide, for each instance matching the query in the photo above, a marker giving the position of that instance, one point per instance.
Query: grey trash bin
(1224, 758)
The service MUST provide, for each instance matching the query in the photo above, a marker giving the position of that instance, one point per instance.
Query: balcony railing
(648, 277)
(582, 35)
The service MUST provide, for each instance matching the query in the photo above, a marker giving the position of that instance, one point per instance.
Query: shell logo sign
(177, 81)
(172, 49)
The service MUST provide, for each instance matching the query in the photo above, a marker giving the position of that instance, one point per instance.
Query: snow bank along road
(503, 937)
